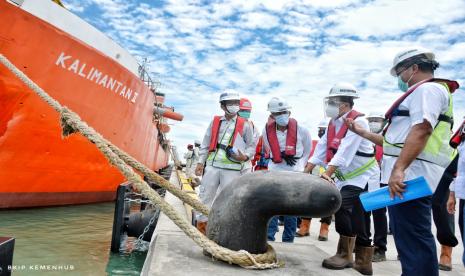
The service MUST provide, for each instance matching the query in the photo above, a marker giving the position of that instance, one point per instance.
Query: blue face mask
(403, 86)
(282, 119)
(244, 114)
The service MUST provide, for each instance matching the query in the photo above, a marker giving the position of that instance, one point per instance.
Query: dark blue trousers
(290, 225)
(411, 227)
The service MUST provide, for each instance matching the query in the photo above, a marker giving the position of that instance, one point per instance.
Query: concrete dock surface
(172, 253)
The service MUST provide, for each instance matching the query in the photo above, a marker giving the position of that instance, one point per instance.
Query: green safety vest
(437, 149)
(218, 158)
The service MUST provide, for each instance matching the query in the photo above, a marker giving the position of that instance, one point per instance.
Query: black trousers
(380, 225)
(442, 219)
(350, 218)
(461, 204)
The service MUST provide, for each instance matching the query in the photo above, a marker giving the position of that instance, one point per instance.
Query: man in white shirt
(195, 154)
(245, 110)
(289, 145)
(351, 159)
(227, 145)
(415, 143)
(189, 156)
(457, 188)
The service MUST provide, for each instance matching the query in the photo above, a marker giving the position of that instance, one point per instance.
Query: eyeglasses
(333, 102)
(279, 113)
(401, 69)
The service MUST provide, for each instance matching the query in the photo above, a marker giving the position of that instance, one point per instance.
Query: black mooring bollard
(239, 216)
(7, 245)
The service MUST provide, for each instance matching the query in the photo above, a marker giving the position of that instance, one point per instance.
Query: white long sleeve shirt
(247, 138)
(303, 149)
(459, 183)
(345, 158)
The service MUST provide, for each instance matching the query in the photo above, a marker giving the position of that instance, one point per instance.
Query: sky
(293, 49)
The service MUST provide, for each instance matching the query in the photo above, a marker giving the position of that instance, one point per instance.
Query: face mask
(332, 111)
(232, 109)
(403, 86)
(244, 114)
(282, 119)
(321, 133)
(375, 127)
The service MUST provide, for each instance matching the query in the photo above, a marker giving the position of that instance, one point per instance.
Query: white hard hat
(323, 123)
(229, 94)
(375, 114)
(406, 54)
(278, 105)
(343, 89)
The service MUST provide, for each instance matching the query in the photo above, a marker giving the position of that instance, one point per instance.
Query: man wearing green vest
(351, 159)
(227, 145)
(415, 143)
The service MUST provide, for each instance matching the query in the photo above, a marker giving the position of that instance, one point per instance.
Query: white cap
(343, 89)
(229, 94)
(197, 142)
(278, 105)
(375, 114)
(323, 123)
(406, 54)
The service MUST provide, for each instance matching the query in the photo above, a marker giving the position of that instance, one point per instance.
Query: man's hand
(199, 169)
(328, 178)
(396, 183)
(451, 203)
(239, 156)
(358, 129)
(309, 167)
(353, 126)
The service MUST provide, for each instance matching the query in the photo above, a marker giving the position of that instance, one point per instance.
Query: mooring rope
(71, 123)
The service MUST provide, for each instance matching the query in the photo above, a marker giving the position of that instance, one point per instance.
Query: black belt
(364, 154)
(442, 117)
(221, 146)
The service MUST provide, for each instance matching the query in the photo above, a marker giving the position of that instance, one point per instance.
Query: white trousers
(213, 182)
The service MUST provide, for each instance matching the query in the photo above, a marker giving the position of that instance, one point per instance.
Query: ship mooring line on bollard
(72, 123)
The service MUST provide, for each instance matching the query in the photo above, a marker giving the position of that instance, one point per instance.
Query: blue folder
(416, 188)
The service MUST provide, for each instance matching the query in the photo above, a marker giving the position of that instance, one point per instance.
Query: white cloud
(225, 37)
(259, 20)
(388, 18)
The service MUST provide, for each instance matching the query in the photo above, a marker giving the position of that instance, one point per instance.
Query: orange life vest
(334, 139)
(291, 139)
(238, 129)
(314, 143)
(394, 109)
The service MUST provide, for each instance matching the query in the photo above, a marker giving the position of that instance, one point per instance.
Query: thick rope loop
(72, 123)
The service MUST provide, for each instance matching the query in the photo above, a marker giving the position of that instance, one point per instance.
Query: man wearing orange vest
(415, 143)
(245, 109)
(261, 159)
(289, 145)
(351, 159)
(227, 145)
